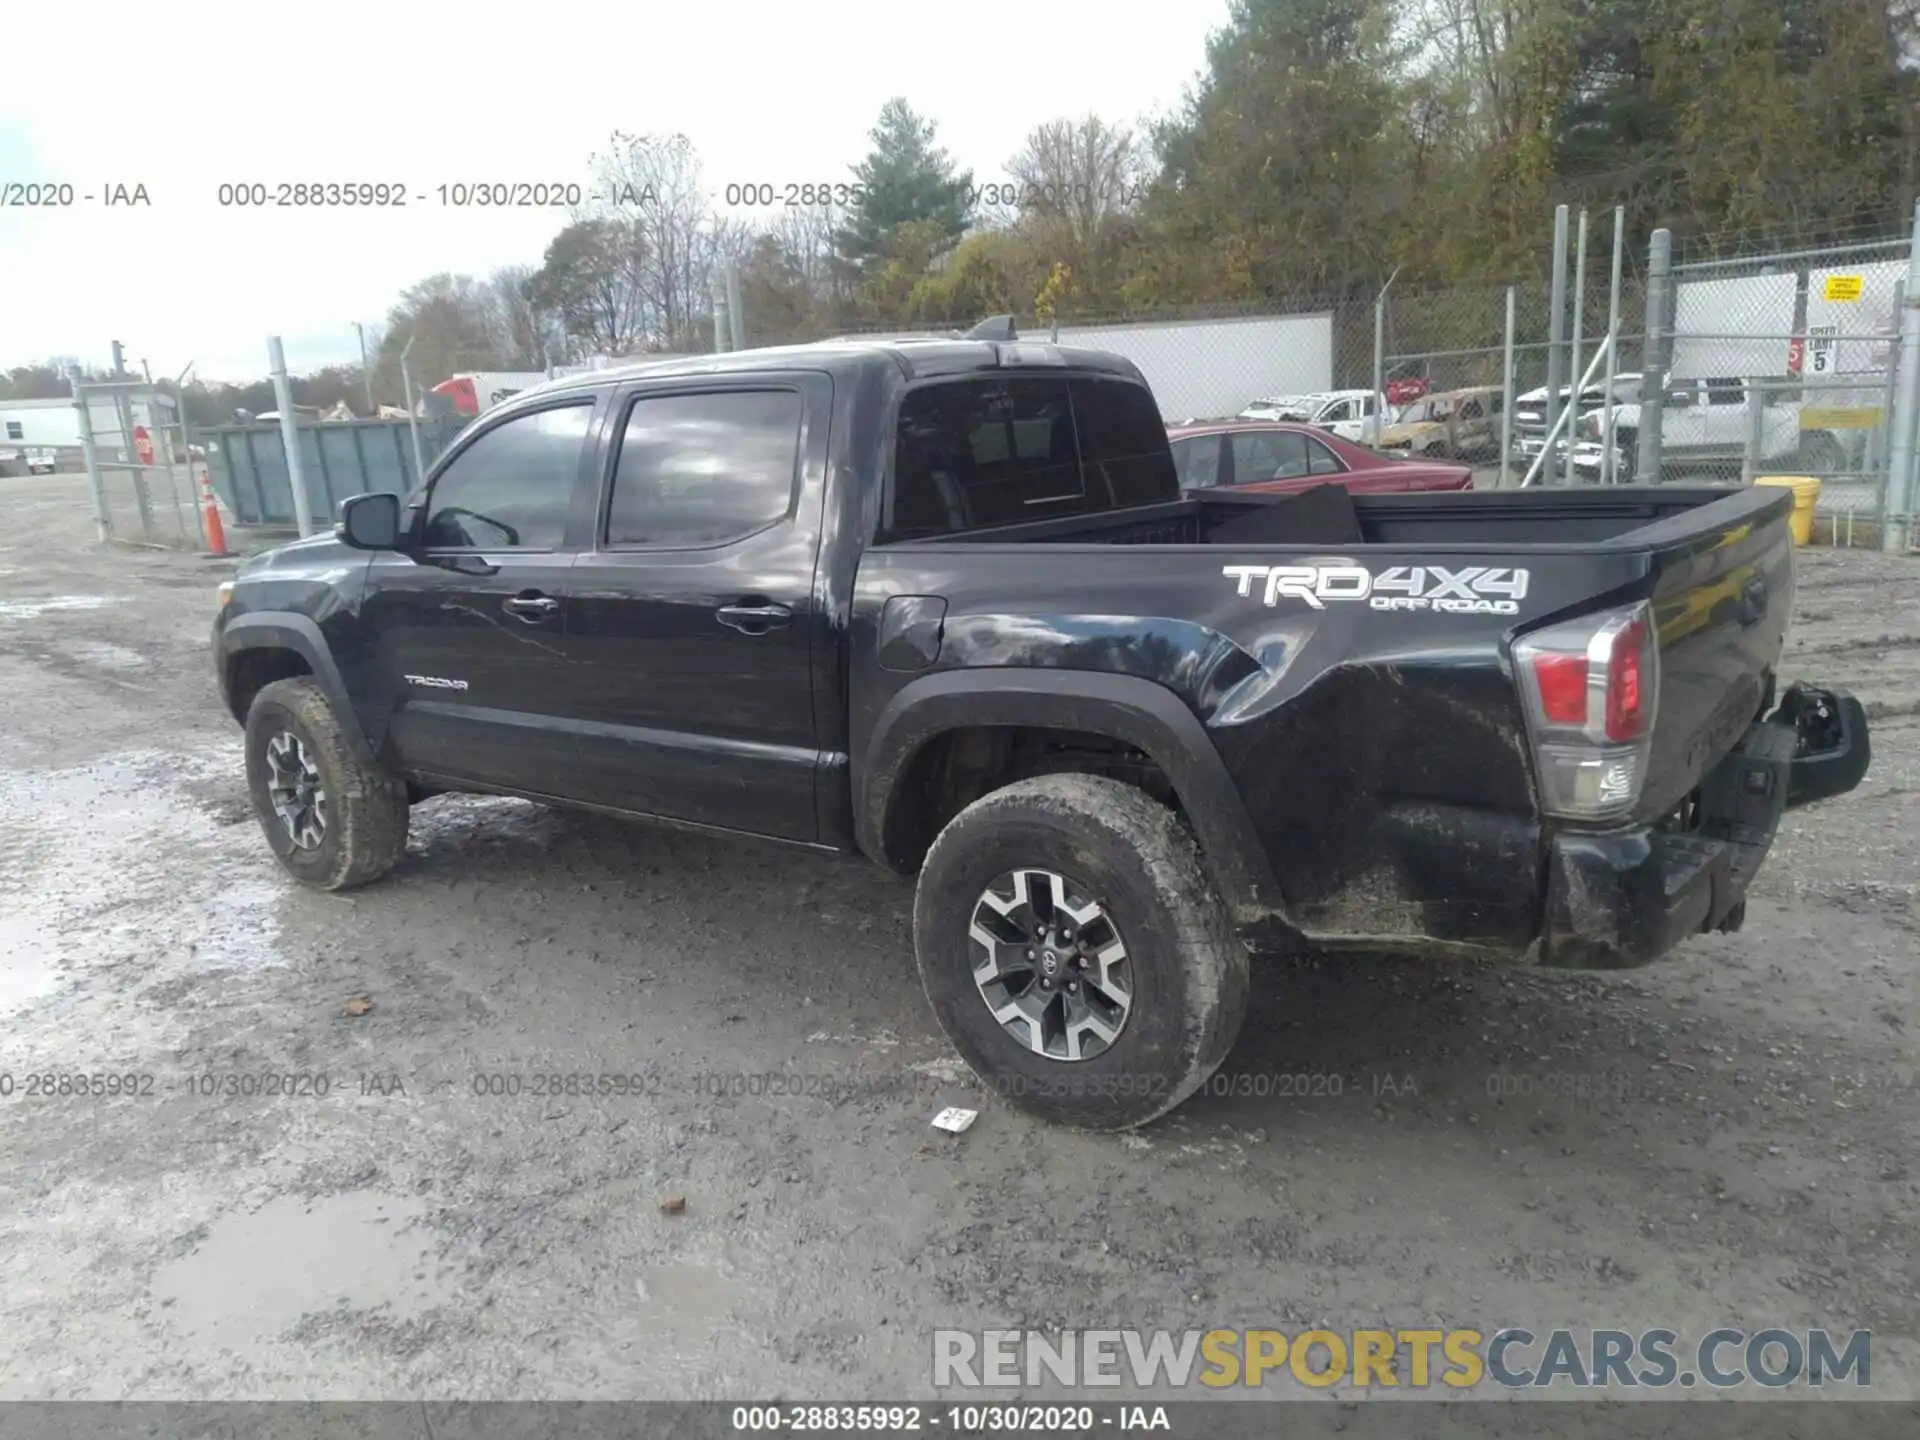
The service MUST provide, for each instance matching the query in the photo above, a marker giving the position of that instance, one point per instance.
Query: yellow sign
(1844, 287)
(1841, 417)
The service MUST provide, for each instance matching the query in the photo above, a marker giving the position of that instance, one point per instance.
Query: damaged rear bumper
(1621, 898)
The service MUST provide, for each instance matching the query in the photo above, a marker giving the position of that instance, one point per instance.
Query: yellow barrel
(1806, 494)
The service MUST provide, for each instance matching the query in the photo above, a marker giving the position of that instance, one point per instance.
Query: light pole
(366, 371)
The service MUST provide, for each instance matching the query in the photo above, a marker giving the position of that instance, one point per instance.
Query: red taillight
(1627, 683)
(1591, 686)
(1561, 681)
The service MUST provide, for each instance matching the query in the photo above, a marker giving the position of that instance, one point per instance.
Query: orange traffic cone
(210, 518)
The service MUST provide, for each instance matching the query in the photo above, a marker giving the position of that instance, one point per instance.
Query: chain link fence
(140, 463)
(1786, 364)
(1763, 365)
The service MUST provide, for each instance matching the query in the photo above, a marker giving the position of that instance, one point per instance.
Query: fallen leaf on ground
(359, 1005)
(672, 1204)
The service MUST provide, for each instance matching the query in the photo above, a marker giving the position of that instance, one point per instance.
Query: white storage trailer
(56, 423)
(38, 435)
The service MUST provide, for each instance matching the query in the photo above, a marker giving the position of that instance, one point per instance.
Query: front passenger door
(467, 626)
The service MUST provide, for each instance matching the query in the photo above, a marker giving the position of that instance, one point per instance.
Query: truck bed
(1350, 659)
(1553, 519)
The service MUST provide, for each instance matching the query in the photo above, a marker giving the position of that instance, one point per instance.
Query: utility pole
(366, 370)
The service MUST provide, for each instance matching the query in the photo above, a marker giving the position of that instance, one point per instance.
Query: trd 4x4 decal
(1470, 590)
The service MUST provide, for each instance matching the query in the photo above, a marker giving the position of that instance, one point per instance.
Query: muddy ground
(1724, 1138)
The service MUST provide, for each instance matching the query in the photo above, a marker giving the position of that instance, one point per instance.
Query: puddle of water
(91, 867)
(257, 1274)
(33, 606)
(105, 654)
(26, 972)
(678, 1300)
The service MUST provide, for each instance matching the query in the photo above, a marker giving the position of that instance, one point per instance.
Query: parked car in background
(1530, 409)
(1708, 425)
(1454, 423)
(1346, 413)
(1281, 455)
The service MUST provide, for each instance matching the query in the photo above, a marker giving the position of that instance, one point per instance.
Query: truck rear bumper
(1625, 897)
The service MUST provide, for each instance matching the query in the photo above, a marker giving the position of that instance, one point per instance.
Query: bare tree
(654, 182)
(523, 339)
(1082, 172)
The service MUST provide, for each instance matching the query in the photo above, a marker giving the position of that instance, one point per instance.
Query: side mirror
(370, 522)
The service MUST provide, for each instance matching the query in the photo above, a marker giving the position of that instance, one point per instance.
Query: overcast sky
(182, 99)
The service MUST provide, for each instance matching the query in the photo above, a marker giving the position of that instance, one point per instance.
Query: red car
(1276, 455)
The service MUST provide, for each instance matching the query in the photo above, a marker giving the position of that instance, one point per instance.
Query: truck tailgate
(1722, 596)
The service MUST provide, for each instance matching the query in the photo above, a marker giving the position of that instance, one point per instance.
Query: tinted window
(1471, 410)
(1197, 459)
(509, 489)
(703, 469)
(997, 452)
(1268, 455)
(1321, 460)
(1726, 392)
(1123, 444)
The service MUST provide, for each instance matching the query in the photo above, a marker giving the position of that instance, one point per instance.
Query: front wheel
(332, 821)
(1075, 953)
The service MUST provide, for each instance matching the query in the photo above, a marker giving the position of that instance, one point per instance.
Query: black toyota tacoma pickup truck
(943, 603)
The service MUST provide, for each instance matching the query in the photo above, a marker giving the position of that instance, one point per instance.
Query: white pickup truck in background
(34, 461)
(1709, 424)
(1345, 413)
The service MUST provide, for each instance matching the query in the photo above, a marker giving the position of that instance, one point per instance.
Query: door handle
(532, 608)
(753, 619)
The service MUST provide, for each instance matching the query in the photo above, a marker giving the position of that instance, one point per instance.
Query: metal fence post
(736, 312)
(1659, 356)
(1506, 395)
(289, 435)
(1756, 431)
(1607, 476)
(96, 486)
(1556, 321)
(1573, 352)
(722, 322)
(1376, 427)
(413, 410)
(1880, 444)
(1896, 522)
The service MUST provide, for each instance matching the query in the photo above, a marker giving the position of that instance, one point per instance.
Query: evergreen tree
(905, 180)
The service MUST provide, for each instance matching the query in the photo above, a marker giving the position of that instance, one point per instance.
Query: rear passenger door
(692, 620)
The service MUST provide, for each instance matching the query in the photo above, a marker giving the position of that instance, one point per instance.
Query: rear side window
(976, 453)
(704, 469)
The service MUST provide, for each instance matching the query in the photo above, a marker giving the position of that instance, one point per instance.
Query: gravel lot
(1727, 1137)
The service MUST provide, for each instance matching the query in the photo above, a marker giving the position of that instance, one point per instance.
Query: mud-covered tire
(365, 830)
(1139, 861)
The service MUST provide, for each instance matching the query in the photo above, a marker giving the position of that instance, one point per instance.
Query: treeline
(1325, 144)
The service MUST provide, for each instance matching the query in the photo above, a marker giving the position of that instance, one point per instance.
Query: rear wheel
(1074, 951)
